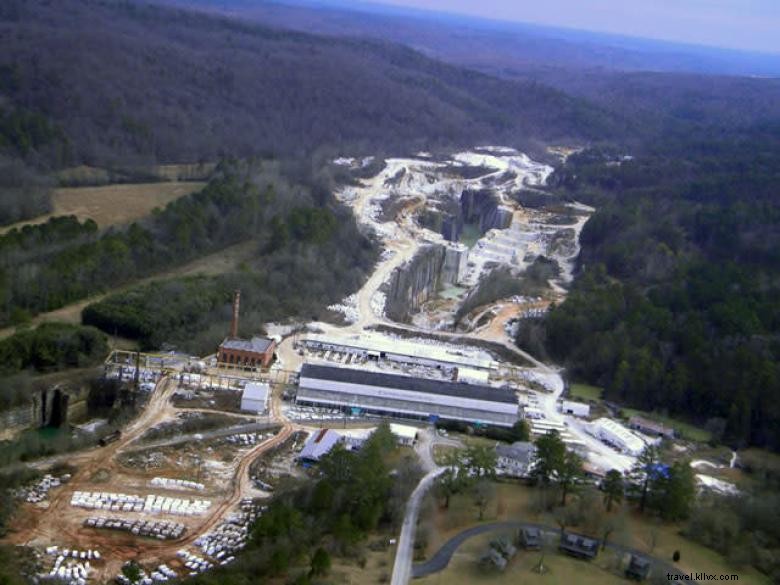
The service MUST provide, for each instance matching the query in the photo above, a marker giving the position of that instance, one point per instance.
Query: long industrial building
(405, 397)
(404, 351)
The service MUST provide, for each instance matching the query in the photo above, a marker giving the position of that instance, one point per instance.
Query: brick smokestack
(234, 321)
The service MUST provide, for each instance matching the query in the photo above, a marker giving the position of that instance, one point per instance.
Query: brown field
(112, 204)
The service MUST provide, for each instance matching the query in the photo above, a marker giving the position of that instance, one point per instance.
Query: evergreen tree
(613, 488)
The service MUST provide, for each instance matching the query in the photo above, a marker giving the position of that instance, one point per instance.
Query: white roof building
(618, 436)
(405, 434)
(575, 408)
(320, 444)
(405, 396)
(255, 397)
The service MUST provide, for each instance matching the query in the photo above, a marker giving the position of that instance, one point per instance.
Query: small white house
(255, 397)
(575, 408)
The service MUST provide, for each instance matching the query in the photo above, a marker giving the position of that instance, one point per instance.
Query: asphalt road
(439, 561)
(402, 568)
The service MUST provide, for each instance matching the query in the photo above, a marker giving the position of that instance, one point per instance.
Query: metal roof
(320, 444)
(412, 348)
(256, 344)
(519, 451)
(255, 391)
(408, 383)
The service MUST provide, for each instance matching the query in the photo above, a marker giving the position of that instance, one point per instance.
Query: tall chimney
(234, 322)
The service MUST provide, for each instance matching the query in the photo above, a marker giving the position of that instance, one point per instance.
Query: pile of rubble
(70, 566)
(177, 484)
(39, 491)
(194, 563)
(159, 575)
(134, 503)
(160, 530)
(230, 536)
(244, 439)
(107, 501)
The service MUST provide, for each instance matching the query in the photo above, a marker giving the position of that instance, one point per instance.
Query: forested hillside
(678, 306)
(128, 81)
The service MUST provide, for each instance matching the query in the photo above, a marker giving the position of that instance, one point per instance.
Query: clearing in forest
(110, 205)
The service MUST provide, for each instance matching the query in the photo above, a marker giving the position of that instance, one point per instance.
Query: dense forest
(309, 254)
(46, 266)
(677, 308)
(126, 81)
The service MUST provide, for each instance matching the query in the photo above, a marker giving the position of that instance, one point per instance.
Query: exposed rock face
(416, 282)
(479, 207)
(17, 419)
(54, 406)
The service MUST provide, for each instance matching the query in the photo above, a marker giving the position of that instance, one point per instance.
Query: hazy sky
(743, 24)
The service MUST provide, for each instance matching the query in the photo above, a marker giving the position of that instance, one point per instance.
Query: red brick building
(257, 352)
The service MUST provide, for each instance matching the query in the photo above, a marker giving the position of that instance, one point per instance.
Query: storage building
(255, 397)
(618, 436)
(575, 408)
(404, 434)
(319, 444)
(405, 397)
(257, 352)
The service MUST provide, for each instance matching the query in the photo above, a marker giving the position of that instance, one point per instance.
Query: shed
(404, 434)
(530, 538)
(579, 546)
(255, 397)
(638, 568)
(575, 408)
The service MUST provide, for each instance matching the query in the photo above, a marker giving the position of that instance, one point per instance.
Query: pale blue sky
(741, 24)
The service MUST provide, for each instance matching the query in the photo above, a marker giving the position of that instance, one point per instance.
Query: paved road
(402, 568)
(439, 561)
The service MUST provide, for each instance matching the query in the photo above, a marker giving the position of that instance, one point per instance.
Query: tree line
(67, 261)
(676, 307)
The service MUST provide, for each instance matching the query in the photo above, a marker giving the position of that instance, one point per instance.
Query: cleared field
(585, 392)
(113, 204)
(686, 430)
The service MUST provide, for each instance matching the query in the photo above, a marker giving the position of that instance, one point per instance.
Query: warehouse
(405, 397)
(618, 436)
(255, 397)
(403, 351)
(575, 408)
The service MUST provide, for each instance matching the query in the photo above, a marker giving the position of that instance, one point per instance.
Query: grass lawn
(585, 392)
(693, 557)
(514, 501)
(561, 570)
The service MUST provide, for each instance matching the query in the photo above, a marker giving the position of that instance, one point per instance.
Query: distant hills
(500, 46)
(662, 83)
(131, 82)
